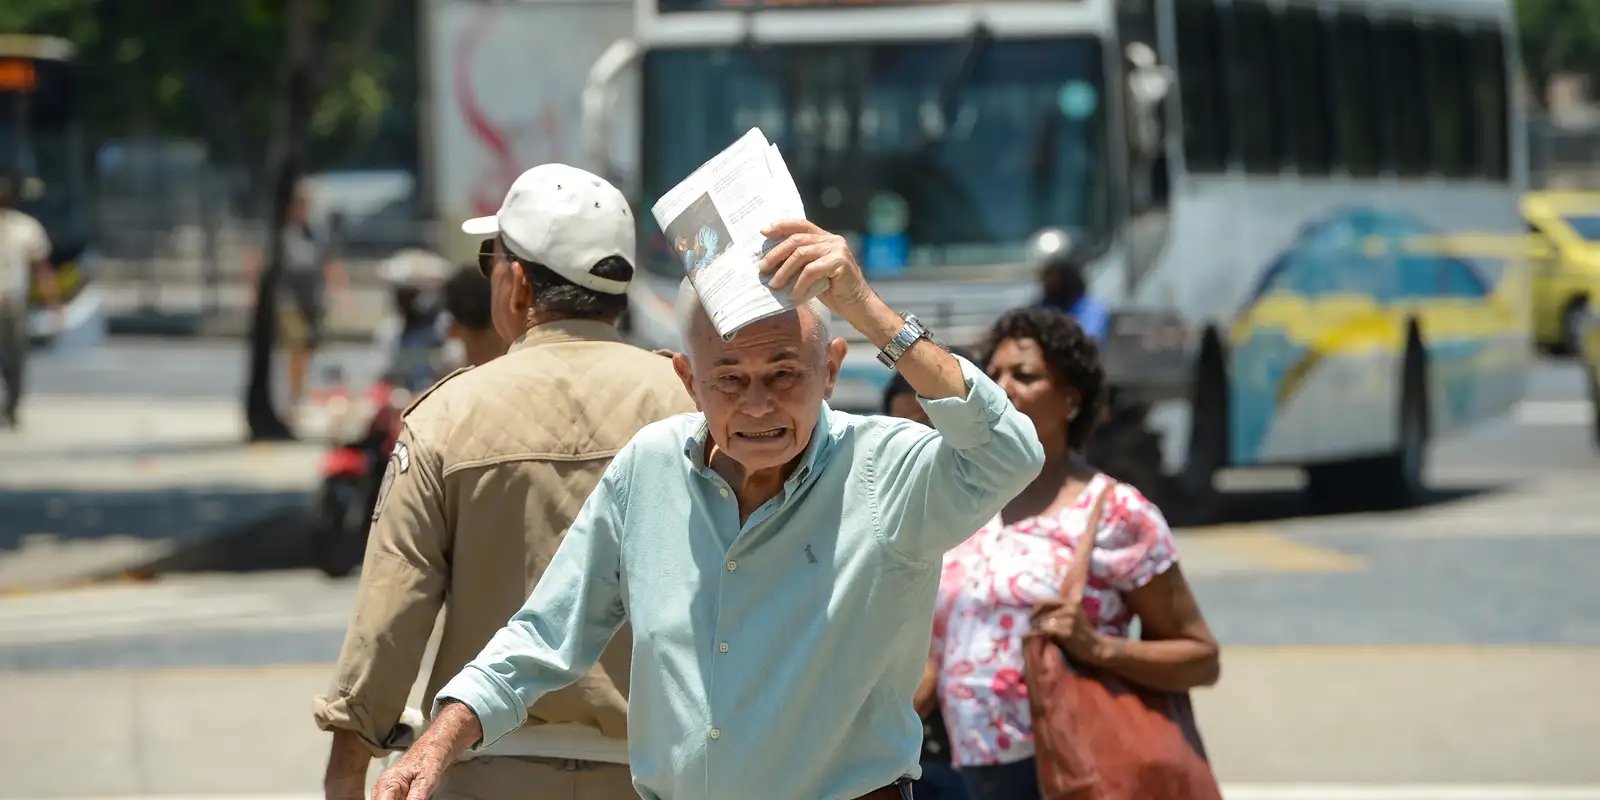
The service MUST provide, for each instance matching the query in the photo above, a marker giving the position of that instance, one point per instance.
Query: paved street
(1436, 653)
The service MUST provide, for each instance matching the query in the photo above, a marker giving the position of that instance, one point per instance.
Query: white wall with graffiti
(505, 82)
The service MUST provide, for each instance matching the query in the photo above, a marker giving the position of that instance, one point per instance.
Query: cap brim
(481, 226)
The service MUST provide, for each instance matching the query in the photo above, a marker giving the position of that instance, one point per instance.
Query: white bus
(1251, 177)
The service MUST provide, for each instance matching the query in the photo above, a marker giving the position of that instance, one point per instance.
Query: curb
(196, 325)
(276, 540)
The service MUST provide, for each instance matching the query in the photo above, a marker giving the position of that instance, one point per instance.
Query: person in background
(939, 780)
(24, 258)
(1066, 289)
(993, 584)
(467, 301)
(310, 273)
(489, 472)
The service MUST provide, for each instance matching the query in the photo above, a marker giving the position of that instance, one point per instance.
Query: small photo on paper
(699, 235)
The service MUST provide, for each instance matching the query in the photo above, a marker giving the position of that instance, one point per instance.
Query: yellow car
(1567, 283)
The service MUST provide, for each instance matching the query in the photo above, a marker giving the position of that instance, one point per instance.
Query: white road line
(90, 615)
(1554, 413)
(1297, 791)
(1464, 791)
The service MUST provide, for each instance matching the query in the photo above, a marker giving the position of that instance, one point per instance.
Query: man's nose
(756, 400)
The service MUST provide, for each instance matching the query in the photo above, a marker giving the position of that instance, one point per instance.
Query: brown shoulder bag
(1098, 737)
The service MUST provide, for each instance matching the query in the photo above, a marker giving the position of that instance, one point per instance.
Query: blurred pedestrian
(1014, 566)
(777, 561)
(1065, 286)
(311, 272)
(489, 472)
(24, 264)
(413, 338)
(939, 780)
(467, 301)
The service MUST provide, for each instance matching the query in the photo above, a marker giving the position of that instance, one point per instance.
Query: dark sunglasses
(486, 257)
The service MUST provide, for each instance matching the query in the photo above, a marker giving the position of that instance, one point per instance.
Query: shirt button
(732, 565)
(722, 648)
(724, 491)
(716, 734)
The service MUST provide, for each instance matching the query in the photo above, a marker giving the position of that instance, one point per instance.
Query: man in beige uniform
(493, 464)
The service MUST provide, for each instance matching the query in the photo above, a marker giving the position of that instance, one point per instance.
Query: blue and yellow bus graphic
(1348, 291)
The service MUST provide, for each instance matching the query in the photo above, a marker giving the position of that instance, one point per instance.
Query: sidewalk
(93, 486)
(1286, 723)
(181, 309)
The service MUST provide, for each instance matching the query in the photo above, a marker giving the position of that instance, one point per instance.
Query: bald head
(695, 330)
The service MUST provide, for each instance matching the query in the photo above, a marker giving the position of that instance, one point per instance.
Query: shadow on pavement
(1278, 504)
(89, 535)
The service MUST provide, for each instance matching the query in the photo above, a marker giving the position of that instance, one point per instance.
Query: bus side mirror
(607, 135)
(1148, 85)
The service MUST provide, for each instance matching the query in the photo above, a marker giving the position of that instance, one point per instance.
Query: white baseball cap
(565, 219)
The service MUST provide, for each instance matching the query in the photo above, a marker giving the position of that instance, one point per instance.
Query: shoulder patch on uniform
(399, 463)
(423, 395)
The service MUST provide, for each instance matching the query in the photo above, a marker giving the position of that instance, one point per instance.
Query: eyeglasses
(486, 258)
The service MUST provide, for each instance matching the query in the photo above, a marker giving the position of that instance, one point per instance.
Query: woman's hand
(1065, 623)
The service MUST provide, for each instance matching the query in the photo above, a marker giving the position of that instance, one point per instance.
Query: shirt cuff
(498, 707)
(969, 421)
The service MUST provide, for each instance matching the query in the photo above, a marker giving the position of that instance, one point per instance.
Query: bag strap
(1083, 556)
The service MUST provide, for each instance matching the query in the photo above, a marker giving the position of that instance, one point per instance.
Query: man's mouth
(770, 433)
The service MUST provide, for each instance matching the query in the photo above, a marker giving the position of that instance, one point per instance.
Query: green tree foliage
(1559, 36)
(213, 70)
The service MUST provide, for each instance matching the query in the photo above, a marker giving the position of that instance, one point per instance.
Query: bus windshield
(39, 139)
(928, 155)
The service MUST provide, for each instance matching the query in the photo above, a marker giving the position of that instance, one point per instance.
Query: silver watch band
(909, 333)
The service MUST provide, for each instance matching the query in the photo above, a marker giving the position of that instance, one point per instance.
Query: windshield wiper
(956, 80)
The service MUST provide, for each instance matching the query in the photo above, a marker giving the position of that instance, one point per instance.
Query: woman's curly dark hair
(1071, 355)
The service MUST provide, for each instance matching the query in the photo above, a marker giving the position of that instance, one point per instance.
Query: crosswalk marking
(1464, 791)
(1554, 413)
(115, 611)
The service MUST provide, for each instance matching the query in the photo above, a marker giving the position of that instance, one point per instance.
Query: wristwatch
(909, 333)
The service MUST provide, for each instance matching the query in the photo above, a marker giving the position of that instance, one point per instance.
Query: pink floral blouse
(988, 588)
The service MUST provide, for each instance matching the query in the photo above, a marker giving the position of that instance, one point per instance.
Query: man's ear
(521, 290)
(685, 370)
(836, 353)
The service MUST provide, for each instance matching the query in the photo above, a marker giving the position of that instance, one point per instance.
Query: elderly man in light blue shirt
(777, 560)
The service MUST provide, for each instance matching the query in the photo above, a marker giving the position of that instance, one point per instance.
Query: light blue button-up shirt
(775, 658)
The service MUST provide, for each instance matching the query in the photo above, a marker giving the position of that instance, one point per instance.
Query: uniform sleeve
(35, 241)
(403, 580)
(1134, 543)
(932, 489)
(558, 634)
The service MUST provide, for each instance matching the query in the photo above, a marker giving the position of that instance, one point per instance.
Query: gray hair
(689, 311)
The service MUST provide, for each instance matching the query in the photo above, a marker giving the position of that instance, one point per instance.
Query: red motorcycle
(364, 428)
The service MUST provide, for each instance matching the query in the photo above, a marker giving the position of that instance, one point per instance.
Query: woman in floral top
(994, 583)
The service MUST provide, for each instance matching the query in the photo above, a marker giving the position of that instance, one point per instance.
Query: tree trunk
(293, 129)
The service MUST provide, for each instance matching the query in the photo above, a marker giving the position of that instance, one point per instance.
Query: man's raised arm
(932, 489)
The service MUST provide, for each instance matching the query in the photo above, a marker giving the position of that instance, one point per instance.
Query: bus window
(1361, 134)
(1449, 80)
(1201, 86)
(1309, 102)
(1487, 58)
(1258, 82)
(1406, 96)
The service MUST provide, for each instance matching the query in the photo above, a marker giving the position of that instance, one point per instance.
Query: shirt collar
(566, 330)
(814, 457)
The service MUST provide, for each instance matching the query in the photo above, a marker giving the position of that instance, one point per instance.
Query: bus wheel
(1393, 480)
(1193, 488)
(1572, 321)
(1592, 371)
